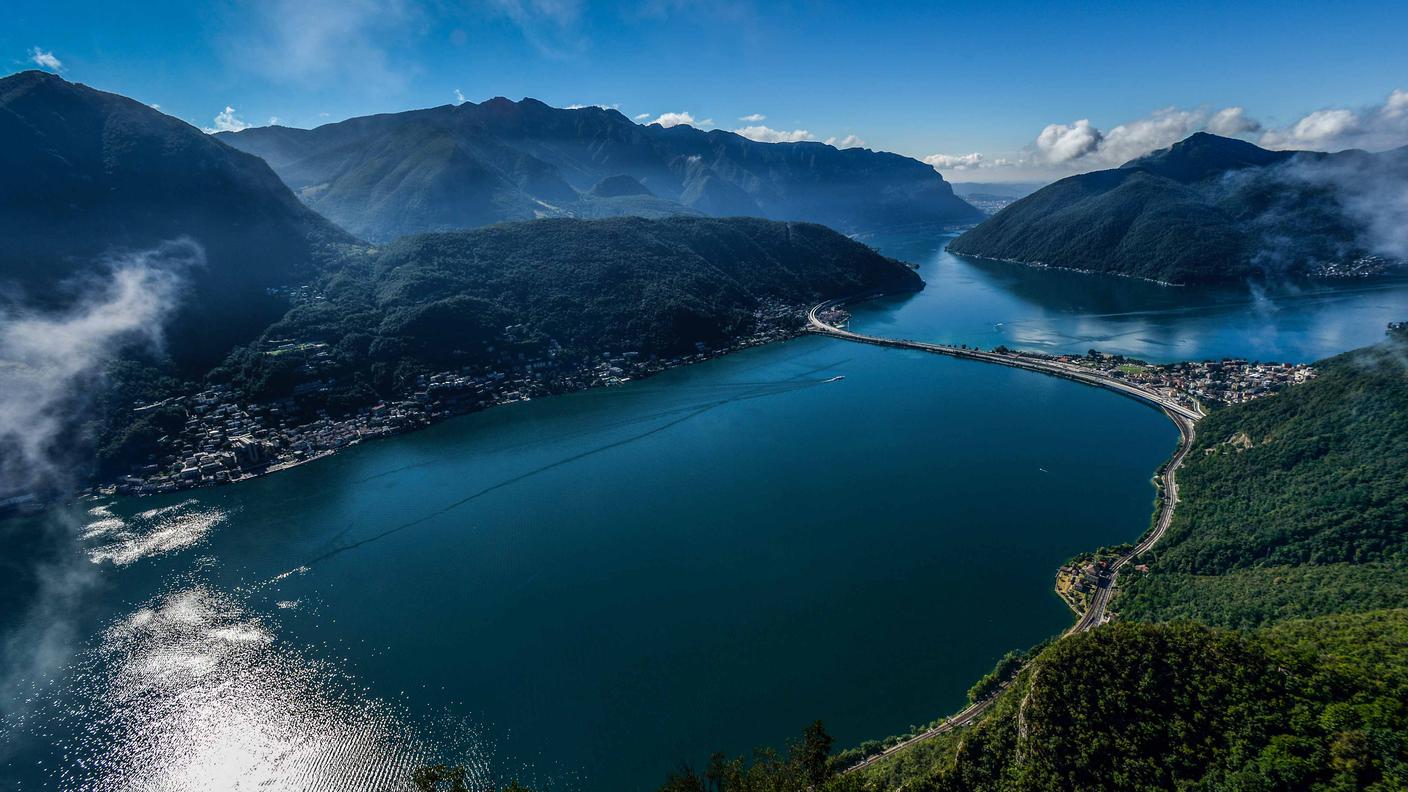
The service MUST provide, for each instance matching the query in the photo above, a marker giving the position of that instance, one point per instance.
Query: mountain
(468, 165)
(1210, 209)
(90, 174)
(559, 289)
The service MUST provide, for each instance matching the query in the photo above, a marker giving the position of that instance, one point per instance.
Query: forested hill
(1292, 506)
(89, 174)
(1210, 209)
(567, 288)
(1308, 705)
(462, 166)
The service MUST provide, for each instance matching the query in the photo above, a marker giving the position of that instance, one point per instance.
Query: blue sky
(989, 91)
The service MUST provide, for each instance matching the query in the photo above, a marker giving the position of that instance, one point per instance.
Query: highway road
(1095, 615)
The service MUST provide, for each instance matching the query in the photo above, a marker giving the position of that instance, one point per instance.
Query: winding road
(1095, 615)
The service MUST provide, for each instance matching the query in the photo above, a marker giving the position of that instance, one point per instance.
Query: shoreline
(1077, 270)
(1095, 615)
(436, 412)
(1387, 274)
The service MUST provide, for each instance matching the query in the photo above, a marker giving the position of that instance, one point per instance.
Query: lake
(582, 592)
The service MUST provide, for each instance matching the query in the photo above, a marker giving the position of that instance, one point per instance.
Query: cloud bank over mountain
(1079, 146)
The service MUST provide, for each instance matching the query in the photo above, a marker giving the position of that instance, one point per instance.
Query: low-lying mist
(51, 364)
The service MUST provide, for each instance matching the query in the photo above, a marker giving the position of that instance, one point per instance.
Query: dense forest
(1316, 704)
(1207, 209)
(1306, 515)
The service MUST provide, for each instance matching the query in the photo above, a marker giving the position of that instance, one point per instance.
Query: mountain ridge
(92, 174)
(460, 166)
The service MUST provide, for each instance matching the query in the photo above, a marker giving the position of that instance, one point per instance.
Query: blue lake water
(584, 591)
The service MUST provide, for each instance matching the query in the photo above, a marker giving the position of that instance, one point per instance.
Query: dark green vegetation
(561, 288)
(90, 175)
(462, 166)
(806, 766)
(1207, 209)
(1292, 506)
(1313, 704)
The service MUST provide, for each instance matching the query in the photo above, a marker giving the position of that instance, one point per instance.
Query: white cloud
(1397, 104)
(1231, 122)
(616, 106)
(675, 119)
(227, 121)
(154, 106)
(642, 116)
(942, 162)
(849, 141)
(273, 120)
(1375, 128)
(459, 97)
(1060, 143)
(1081, 146)
(45, 59)
(765, 134)
(753, 118)
(1323, 125)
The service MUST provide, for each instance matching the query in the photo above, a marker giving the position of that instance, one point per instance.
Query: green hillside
(1307, 705)
(1311, 519)
(1207, 209)
(569, 288)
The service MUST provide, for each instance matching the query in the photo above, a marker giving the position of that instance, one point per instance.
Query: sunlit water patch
(194, 691)
(148, 533)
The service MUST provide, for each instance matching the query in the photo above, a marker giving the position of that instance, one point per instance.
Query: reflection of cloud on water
(192, 691)
(149, 533)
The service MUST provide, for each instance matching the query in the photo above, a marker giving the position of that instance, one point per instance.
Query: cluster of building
(1079, 579)
(1362, 267)
(225, 439)
(1204, 383)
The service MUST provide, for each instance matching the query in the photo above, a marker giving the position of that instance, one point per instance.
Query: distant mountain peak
(476, 164)
(1204, 154)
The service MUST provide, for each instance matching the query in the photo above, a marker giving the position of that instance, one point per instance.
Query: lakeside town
(1201, 384)
(227, 439)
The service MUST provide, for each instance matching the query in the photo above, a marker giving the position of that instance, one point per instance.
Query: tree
(813, 754)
